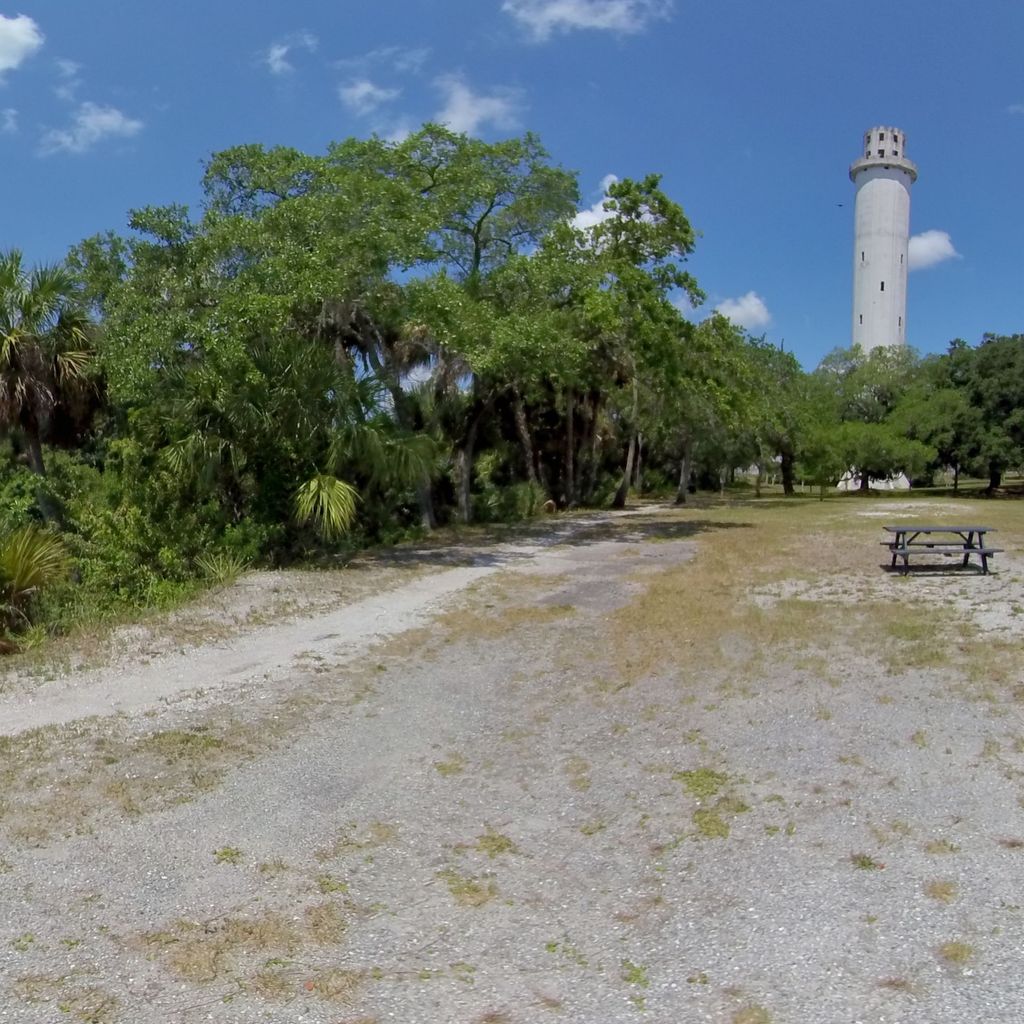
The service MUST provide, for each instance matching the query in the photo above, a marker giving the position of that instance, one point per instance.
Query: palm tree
(44, 349)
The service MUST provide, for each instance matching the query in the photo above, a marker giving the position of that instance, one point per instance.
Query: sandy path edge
(343, 634)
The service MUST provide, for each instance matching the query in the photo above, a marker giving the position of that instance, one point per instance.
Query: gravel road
(449, 803)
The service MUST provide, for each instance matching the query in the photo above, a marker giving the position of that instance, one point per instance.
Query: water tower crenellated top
(884, 146)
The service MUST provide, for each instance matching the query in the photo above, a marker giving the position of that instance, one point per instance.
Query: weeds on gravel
(942, 890)
(702, 782)
(471, 624)
(578, 771)
(752, 1015)
(955, 952)
(59, 780)
(865, 862)
(895, 984)
(467, 891)
(494, 844)
(454, 765)
(336, 984)
(222, 948)
(88, 1004)
(940, 847)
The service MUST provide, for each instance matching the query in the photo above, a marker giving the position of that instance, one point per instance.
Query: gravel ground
(449, 807)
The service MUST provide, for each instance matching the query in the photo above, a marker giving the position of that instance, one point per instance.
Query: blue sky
(751, 111)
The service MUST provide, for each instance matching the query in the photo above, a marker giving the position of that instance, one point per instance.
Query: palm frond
(329, 504)
(30, 559)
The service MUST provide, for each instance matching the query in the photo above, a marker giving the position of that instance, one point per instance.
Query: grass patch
(467, 891)
(336, 985)
(702, 783)
(710, 824)
(865, 862)
(955, 952)
(752, 1015)
(454, 765)
(940, 847)
(87, 1004)
(494, 844)
(941, 889)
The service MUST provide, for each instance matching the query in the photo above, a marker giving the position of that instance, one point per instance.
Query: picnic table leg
(967, 554)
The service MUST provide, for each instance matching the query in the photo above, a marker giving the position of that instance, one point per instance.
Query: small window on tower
(862, 318)
(883, 287)
(862, 256)
(901, 258)
(881, 152)
(899, 321)
(881, 136)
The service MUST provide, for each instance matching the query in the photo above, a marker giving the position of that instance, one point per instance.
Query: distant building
(883, 176)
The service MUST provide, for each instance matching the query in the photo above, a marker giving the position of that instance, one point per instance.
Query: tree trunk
(638, 479)
(595, 446)
(525, 438)
(47, 506)
(684, 472)
(956, 477)
(570, 448)
(464, 472)
(583, 450)
(35, 453)
(995, 478)
(786, 465)
(619, 501)
(865, 482)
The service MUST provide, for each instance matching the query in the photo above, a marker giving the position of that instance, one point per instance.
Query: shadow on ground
(514, 544)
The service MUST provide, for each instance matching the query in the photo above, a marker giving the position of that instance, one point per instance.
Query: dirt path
(608, 776)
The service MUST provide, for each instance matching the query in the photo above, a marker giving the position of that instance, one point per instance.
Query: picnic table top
(942, 528)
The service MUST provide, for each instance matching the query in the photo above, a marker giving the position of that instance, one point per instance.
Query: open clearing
(713, 765)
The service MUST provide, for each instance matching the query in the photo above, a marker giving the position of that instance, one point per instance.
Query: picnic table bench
(962, 541)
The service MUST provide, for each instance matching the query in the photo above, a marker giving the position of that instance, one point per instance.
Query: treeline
(357, 346)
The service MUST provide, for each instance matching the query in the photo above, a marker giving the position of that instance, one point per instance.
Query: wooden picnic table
(963, 541)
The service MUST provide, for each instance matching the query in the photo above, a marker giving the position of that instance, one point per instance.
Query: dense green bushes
(356, 347)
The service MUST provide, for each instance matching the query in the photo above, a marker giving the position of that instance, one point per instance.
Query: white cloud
(748, 311)
(396, 130)
(8, 121)
(929, 248)
(70, 80)
(20, 37)
(543, 18)
(595, 214)
(399, 59)
(276, 57)
(90, 125)
(363, 97)
(467, 111)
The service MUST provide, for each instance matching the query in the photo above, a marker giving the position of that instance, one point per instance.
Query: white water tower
(883, 176)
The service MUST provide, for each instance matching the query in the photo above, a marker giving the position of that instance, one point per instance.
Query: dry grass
(236, 948)
(468, 891)
(63, 780)
(941, 889)
(336, 984)
(956, 953)
(73, 1001)
(787, 574)
(356, 839)
(471, 623)
(752, 1015)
